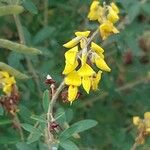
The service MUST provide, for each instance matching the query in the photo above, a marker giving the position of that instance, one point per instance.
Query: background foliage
(123, 93)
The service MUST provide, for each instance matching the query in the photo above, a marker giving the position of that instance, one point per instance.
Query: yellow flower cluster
(107, 16)
(83, 53)
(6, 82)
(77, 69)
(143, 126)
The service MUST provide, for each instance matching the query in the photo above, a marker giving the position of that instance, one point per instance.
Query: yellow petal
(115, 8)
(4, 74)
(101, 64)
(106, 29)
(85, 70)
(7, 88)
(96, 48)
(82, 34)
(86, 82)
(73, 79)
(73, 42)
(71, 54)
(147, 115)
(112, 16)
(95, 80)
(72, 93)
(69, 67)
(95, 11)
(136, 120)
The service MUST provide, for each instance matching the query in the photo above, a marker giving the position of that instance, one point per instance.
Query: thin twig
(46, 12)
(18, 124)
(29, 63)
(134, 146)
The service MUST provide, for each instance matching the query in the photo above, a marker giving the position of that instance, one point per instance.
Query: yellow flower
(95, 11)
(7, 82)
(73, 80)
(95, 80)
(71, 60)
(86, 72)
(114, 7)
(82, 34)
(106, 29)
(112, 15)
(96, 48)
(101, 64)
(77, 39)
(136, 120)
(71, 54)
(70, 67)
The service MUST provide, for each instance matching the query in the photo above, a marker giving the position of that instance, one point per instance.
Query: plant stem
(134, 146)
(29, 63)
(46, 12)
(17, 123)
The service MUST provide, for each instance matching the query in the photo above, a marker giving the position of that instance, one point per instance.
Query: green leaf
(29, 5)
(23, 146)
(12, 71)
(39, 118)
(30, 128)
(10, 10)
(5, 121)
(68, 145)
(1, 110)
(77, 128)
(43, 34)
(133, 11)
(8, 140)
(46, 100)
(19, 48)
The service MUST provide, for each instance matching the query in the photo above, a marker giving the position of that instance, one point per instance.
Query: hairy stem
(134, 146)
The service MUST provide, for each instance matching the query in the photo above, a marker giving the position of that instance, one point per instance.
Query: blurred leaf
(19, 47)
(12, 71)
(1, 110)
(9, 140)
(134, 10)
(43, 34)
(29, 5)
(23, 146)
(68, 145)
(39, 118)
(30, 128)
(11, 10)
(77, 128)
(5, 121)
(46, 100)
(145, 7)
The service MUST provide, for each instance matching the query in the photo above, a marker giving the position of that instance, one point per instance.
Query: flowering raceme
(84, 55)
(143, 126)
(106, 16)
(6, 82)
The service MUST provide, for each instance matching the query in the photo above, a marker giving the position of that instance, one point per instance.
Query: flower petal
(73, 79)
(96, 79)
(136, 120)
(72, 93)
(147, 115)
(85, 70)
(73, 42)
(101, 64)
(86, 82)
(115, 8)
(71, 54)
(96, 48)
(69, 67)
(82, 34)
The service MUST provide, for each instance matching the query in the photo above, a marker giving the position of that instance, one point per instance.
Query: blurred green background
(123, 93)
